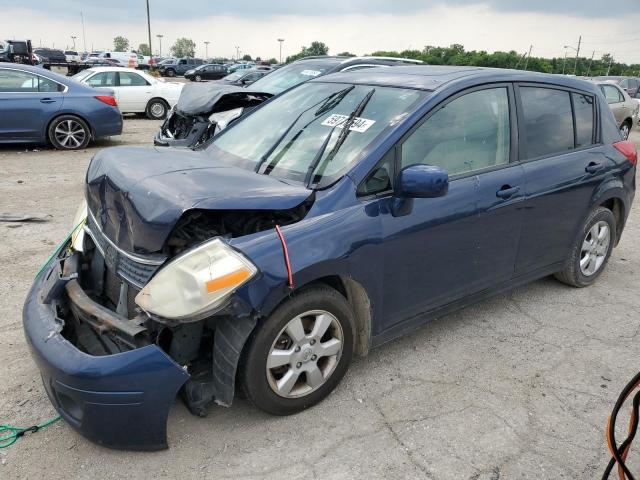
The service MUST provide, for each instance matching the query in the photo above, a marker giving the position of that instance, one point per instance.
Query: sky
(358, 26)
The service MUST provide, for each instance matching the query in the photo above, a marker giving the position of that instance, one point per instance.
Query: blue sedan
(40, 106)
(330, 220)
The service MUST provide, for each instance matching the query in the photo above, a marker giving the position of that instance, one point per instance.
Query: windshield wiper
(346, 130)
(323, 108)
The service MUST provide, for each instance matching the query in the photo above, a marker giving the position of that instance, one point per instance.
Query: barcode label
(359, 125)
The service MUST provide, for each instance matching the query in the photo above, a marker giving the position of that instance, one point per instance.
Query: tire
(156, 109)
(171, 73)
(573, 273)
(198, 78)
(625, 130)
(68, 132)
(260, 383)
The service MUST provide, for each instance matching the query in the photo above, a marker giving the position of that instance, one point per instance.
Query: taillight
(109, 100)
(629, 150)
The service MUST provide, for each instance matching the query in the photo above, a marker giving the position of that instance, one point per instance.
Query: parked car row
(206, 112)
(421, 190)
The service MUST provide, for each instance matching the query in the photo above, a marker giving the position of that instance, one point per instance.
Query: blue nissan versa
(331, 219)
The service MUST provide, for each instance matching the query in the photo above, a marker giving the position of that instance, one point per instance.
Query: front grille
(134, 269)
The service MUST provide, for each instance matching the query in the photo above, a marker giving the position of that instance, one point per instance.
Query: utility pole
(575, 65)
(590, 62)
(206, 49)
(280, 40)
(564, 62)
(73, 37)
(160, 40)
(84, 37)
(237, 53)
(149, 32)
(528, 56)
(609, 67)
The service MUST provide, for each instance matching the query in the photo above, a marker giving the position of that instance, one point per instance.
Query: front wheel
(69, 132)
(300, 353)
(591, 250)
(171, 73)
(198, 78)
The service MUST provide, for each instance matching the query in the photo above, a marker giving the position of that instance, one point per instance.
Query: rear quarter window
(583, 106)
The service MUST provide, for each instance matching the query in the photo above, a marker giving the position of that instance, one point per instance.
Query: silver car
(624, 108)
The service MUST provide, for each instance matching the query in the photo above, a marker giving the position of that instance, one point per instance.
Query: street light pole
(237, 53)
(149, 31)
(160, 40)
(73, 37)
(206, 49)
(280, 40)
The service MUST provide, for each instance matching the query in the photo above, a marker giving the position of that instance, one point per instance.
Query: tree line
(453, 55)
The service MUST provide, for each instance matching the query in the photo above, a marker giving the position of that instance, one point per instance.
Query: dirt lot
(516, 387)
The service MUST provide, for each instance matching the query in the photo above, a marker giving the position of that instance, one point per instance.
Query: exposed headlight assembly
(77, 235)
(196, 282)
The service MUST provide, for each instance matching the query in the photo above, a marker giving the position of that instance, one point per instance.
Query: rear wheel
(69, 132)
(156, 109)
(591, 250)
(300, 353)
(171, 73)
(625, 130)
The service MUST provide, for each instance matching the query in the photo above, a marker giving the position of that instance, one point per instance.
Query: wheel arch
(73, 114)
(613, 196)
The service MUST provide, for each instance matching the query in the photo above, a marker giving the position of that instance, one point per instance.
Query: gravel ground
(519, 386)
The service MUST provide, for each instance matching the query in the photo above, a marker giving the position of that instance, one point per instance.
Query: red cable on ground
(285, 252)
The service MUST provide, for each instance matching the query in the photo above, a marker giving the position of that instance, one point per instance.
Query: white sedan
(136, 91)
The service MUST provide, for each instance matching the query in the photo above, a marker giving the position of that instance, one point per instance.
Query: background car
(51, 55)
(136, 91)
(192, 126)
(40, 106)
(624, 109)
(631, 85)
(178, 67)
(206, 72)
(240, 66)
(244, 77)
(72, 56)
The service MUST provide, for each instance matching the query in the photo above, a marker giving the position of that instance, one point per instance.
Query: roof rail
(397, 59)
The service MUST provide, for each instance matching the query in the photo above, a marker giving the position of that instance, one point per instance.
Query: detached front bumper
(119, 401)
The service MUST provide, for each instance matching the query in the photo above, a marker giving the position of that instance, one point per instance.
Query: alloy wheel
(198, 78)
(595, 248)
(304, 354)
(70, 134)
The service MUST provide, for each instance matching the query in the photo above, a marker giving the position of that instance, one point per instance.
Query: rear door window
(548, 121)
(128, 79)
(612, 94)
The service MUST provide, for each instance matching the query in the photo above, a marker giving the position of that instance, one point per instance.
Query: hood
(200, 98)
(137, 195)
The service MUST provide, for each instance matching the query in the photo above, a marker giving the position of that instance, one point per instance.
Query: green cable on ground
(8, 439)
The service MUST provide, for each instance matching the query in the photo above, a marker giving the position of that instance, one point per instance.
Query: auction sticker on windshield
(310, 73)
(359, 125)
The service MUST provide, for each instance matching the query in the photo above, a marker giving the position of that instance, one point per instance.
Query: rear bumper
(119, 401)
(108, 122)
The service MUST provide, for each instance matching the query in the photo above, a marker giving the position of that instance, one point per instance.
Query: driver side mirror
(422, 181)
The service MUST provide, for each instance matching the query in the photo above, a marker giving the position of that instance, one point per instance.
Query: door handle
(47, 100)
(507, 191)
(593, 167)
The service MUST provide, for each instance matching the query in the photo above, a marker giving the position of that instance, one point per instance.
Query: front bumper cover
(119, 401)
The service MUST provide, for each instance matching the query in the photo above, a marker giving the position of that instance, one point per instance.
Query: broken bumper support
(119, 401)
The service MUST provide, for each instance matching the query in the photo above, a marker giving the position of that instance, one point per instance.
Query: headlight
(196, 282)
(77, 235)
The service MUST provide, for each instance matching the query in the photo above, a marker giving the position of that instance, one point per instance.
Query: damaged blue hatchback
(331, 219)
